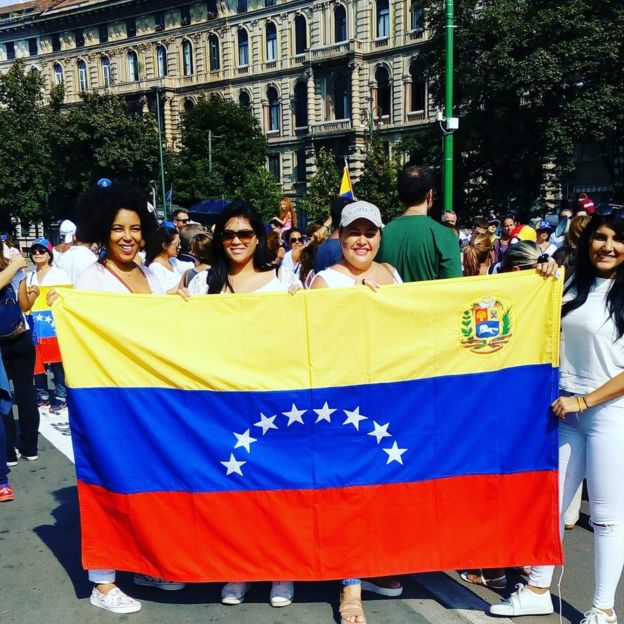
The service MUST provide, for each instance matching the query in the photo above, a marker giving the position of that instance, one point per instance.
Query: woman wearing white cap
(360, 237)
(67, 232)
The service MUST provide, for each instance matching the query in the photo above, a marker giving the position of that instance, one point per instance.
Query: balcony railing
(327, 127)
(334, 50)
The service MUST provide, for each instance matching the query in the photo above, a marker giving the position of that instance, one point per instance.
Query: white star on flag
(244, 440)
(380, 431)
(354, 417)
(265, 423)
(394, 453)
(294, 415)
(39, 317)
(233, 465)
(48, 320)
(324, 413)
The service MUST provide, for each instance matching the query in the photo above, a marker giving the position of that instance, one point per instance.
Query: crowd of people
(118, 246)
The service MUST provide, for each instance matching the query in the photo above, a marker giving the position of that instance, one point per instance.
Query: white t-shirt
(198, 285)
(75, 260)
(96, 277)
(338, 279)
(54, 277)
(170, 279)
(591, 354)
(289, 263)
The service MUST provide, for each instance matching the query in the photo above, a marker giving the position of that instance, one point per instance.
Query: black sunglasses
(244, 236)
(295, 240)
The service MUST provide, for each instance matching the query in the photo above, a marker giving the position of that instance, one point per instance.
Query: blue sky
(7, 2)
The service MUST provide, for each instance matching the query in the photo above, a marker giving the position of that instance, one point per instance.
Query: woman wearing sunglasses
(295, 242)
(161, 256)
(591, 412)
(360, 237)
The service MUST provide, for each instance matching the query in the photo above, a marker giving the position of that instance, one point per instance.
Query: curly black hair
(98, 207)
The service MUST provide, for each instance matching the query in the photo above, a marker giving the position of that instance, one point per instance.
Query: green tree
(239, 153)
(378, 183)
(322, 187)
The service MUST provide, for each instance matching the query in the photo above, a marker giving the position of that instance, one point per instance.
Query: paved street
(41, 576)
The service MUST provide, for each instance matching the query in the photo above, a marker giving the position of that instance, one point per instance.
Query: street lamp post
(160, 147)
(448, 109)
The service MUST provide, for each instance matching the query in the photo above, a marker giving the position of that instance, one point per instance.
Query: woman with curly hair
(287, 214)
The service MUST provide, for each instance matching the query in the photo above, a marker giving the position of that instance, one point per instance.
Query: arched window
(384, 91)
(301, 34)
(106, 72)
(83, 80)
(189, 105)
(342, 104)
(383, 18)
(301, 104)
(418, 92)
(340, 24)
(274, 109)
(213, 49)
(58, 74)
(161, 61)
(244, 100)
(187, 58)
(243, 48)
(133, 66)
(271, 42)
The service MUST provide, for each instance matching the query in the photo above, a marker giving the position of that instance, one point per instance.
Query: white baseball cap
(68, 231)
(360, 210)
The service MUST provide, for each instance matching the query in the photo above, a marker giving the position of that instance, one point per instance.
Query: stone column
(311, 96)
(356, 119)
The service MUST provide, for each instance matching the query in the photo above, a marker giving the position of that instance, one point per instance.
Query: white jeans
(102, 576)
(591, 445)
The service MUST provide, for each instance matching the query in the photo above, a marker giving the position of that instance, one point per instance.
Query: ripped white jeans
(591, 445)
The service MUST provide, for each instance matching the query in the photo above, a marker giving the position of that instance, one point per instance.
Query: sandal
(499, 582)
(350, 608)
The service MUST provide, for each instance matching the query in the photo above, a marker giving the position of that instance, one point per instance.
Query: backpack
(11, 319)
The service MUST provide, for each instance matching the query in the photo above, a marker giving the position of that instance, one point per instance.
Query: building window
(418, 92)
(213, 10)
(79, 37)
(213, 50)
(416, 19)
(300, 165)
(133, 66)
(131, 27)
(106, 72)
(383, 19)
(243, 48)
(274, 167)
(384, 92)
(244, 101)
(159, 21)
(241, 6)
(271, 42)
(161, 61)
(301, 105)
(340, 24)
(103, 33)
(270, 3)
(301, 34)
(83, 81)
(342, 104)
(10, 50)
(185, 15)
(274, 109)
(56, 42)
(58, 74)
(187, 58)
(33, 46)
(189, 105)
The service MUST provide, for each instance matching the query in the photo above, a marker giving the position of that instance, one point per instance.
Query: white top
(54, 277)
(591, 354)
(288, 263)
(198, 285)
(96, 277)
(170, 279)
(280, 282)
(550, 250)
(75, 260)
(338, 279)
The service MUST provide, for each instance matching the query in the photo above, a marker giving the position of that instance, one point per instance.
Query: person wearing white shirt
(161, 257)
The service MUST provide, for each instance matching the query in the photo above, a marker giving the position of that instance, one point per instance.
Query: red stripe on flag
(453, 523)
(49, 349)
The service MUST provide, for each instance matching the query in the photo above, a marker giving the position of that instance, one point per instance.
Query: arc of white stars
(266, 423)
(380, 431)
(294, 415)
(233, 465)
(395, 453)
(324, 413)
(354, 417)
(244, 440)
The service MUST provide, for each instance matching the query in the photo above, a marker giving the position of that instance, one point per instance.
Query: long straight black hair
(220, 260)
(585, 272)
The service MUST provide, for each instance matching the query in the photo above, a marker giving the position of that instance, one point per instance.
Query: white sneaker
(151, 581)
(282, 593)
(234, 593)
(524, 602)
(596, 616)
(115, 601)
(12, 464)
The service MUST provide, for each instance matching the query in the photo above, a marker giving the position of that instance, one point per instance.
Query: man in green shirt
(415, 244)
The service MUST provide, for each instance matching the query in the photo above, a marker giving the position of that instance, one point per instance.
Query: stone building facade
(314, 72)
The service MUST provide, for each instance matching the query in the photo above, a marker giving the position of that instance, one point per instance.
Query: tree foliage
(322, 187)
(534, 80)
(239, 153)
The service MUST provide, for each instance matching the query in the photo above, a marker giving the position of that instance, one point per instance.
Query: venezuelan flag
(346, 188)
(376, 433)
(42, 325)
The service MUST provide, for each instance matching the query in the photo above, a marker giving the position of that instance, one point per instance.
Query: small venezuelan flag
(401, 431)
(346, 188)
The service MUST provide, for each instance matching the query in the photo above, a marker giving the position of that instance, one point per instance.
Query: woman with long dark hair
(161, 255)
(591, 409)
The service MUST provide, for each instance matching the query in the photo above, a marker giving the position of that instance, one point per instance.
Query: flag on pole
(374, 445)
(346, 188)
